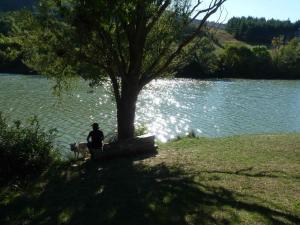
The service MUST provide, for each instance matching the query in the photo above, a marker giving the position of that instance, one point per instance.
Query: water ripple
(167, 107)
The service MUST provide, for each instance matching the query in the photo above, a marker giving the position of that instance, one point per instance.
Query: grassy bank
(237, 180)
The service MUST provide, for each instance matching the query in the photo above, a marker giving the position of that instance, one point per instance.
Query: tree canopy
(128, 42)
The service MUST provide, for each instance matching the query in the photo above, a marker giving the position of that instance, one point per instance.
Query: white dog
(79, 149)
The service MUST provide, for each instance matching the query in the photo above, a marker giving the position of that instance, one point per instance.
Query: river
(167, 107)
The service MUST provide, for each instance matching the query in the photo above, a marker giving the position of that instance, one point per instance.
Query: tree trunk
(126, 108)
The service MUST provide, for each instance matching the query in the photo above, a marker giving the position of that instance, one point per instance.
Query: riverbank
(236, 180)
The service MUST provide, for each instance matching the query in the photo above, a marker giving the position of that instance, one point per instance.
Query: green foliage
(128, 42)
(202, 62)
(260, 30)
(263, 65)
(96, 40)
(25, 150)
(64, 40)
(241, 61)
(259, 62)
(11, 47)
(141, 129)
(237, 61)
(287, 59)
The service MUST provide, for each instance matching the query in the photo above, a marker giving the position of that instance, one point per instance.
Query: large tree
(129, 42)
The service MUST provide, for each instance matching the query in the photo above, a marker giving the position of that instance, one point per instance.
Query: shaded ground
(240, 180)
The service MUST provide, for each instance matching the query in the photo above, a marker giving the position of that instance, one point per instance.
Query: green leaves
(288, 58)
(242, 61)
(25, 149)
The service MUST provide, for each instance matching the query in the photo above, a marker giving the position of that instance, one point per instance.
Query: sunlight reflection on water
(167, 107)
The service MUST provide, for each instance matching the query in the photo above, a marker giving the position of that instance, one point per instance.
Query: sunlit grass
(237, 180)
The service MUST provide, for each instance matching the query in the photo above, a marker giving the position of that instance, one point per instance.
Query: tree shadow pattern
(126, 192)
(249, 172)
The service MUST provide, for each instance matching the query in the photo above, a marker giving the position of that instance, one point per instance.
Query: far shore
(220, 78)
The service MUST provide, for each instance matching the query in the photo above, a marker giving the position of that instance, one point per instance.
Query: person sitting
(95, 139)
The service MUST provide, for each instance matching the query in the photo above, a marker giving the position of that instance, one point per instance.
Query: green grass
(236, 180)
(225, 38)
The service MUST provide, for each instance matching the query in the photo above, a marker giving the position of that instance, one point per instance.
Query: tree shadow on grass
(125, 192)
(249, 172)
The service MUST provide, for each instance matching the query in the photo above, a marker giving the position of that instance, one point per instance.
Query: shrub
(287, 60)
(25, 151)
(140, 130)
(242, 61)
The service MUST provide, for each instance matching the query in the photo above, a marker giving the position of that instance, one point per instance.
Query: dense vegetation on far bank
(237, 60)
(257, 49)
(251, 179)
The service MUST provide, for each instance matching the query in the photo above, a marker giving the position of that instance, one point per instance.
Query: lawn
(236, 180)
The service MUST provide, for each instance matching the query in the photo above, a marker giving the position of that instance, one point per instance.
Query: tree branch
(213, 7)
(111, 52)
(137, 40)
(159, 13)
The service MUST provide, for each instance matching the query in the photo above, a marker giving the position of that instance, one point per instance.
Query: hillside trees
(260, 30)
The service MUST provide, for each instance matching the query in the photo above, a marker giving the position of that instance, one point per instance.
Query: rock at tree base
(140, 145)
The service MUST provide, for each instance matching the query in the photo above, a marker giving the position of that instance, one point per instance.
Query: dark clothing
(97, 138)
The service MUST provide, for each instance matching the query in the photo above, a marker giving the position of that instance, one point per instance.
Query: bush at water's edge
(25, 150)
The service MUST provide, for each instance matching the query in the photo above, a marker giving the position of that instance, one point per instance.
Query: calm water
(167, 107)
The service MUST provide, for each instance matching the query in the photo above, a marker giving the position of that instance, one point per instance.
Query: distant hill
(12, 5)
